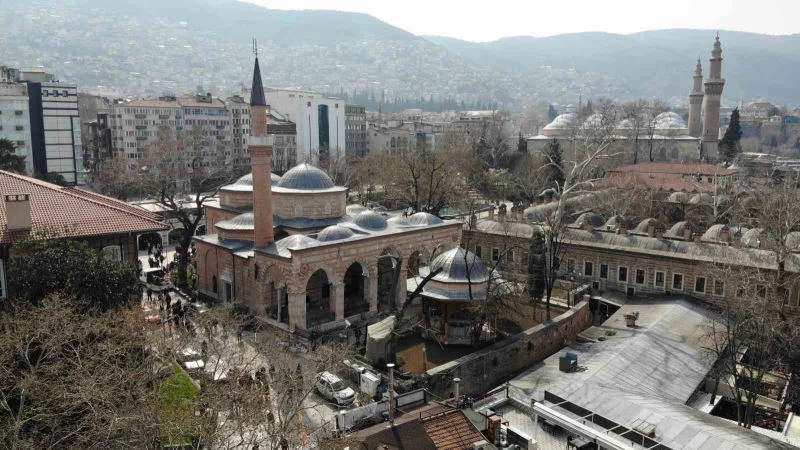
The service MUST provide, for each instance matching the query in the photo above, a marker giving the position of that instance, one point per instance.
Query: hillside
(655, 63)
(149, 47)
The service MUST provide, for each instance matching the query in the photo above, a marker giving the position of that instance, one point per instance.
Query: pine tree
(555, 172)
(9, 160)
(729, 144)
(551, 113)
(522, 144)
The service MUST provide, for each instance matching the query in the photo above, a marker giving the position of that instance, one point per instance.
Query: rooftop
(674, 168)
(65, 211)
(647, 373)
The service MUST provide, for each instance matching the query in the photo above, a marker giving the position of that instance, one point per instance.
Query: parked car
(191, 360)
(333, 389)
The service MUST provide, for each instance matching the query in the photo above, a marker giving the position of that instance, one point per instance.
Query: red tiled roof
(133, 209)
(63, 211)
(451, 431)
(663, 181)
(674, 168)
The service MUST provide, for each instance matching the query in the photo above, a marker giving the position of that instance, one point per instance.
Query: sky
(481, 21)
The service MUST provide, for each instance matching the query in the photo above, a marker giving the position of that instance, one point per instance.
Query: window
(719, 288)
(639, 276)
(604, 271)
(19, 128)
(510, 256)
(622, 274)
(570, 265)
(478, 251)
(588, 268)
(761, 290)
(256, 271)
(18, 112)
(659, 280)
(740, 292)
(112, 253)
(495, 254)
(677, 282)
(700, 285)
(298, 210)
(214, 284)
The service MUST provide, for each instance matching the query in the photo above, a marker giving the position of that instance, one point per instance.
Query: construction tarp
(379, 336)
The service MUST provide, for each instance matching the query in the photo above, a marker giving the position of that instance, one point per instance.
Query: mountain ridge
(153, 46)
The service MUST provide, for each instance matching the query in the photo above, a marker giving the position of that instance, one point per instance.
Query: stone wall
(318, 205)
(489, 367)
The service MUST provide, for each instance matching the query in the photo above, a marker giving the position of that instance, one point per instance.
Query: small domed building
(290, 248)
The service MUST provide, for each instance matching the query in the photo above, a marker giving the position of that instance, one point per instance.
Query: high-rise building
(320, 123)
(15, 119)
(355, 130)
(55, 127)
(240, 128)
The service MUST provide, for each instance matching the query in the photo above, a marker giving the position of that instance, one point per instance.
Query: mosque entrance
(318, 299)
(355, 302)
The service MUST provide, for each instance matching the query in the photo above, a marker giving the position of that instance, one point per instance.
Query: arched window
(328, 207)
(214, 284)
(298, 210)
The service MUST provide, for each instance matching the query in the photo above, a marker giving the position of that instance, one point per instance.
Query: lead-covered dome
(456, 264)
(669, 121)
(354, 209)
(370, 220)
(423, 218)
(334, 233)
(245, 182)
(562, 121)
(305, 177)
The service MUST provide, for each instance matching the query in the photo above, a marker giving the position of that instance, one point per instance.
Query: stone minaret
(711, 104)
(696, 102)
(260, 147)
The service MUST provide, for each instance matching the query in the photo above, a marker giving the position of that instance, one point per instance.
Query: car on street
(333, 389)
(191, 360)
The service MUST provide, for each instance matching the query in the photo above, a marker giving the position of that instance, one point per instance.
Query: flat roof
(645, 374)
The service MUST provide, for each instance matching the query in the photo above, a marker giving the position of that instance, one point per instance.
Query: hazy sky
(493, 19)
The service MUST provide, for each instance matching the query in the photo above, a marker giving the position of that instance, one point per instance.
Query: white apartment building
(15, 122)
(205, 121)
(320, 122)
(240, 126)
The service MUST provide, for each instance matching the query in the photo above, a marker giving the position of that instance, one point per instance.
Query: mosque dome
(589, 218)
(701, 199)
(244, 221)
(354, 209)
(644, 226)
(716, 233)
(678, 197)
(456, 264)
(561, 122)
(677, 230)
(305, 177)
(294, 242)
(669, 121)
(398, 221)
(423, 218)
(594, 121)
(626, 124)
(334, 233)
(245, 182)
(370, 220)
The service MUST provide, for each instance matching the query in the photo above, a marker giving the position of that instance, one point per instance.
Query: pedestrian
(239, 333)
(149, 295)
(168, 299)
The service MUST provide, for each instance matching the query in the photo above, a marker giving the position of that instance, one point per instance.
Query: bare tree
(72, 380)
(182, 173)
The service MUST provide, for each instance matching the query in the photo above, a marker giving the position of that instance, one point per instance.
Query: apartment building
(355, 130)
(15, 119)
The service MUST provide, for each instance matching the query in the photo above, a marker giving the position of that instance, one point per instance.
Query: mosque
(670, 139)
(292, 250)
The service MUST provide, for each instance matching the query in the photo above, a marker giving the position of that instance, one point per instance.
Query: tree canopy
(9, 160)
(43, 267)
(729, 144)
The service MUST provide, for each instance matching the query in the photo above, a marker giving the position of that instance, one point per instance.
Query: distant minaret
(711, 104)
(260, 147)
(696, 102)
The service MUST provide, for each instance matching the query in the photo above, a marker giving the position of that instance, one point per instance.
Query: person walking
(149, 295)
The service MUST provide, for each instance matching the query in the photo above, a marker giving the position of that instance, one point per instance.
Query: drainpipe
(390, 366)
(456, 393)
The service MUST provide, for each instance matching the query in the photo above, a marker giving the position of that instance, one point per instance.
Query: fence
(373, 412)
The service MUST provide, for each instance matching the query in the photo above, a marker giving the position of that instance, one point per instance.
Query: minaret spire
(696, 102)
(711, 103)
(260, 148)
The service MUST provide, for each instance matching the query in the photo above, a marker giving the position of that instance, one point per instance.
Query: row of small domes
(665, 121)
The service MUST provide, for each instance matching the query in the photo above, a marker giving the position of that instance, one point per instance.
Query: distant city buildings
(15, 122)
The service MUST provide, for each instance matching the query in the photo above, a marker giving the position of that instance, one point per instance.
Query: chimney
(18, 212)
(473, 221)
(651, 229)
(390, 366)
(456, 393)
(725, 234)
(491, 213)
(687, 232)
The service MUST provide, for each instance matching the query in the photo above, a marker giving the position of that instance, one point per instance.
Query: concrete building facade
(320, 122)
(15, 119)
